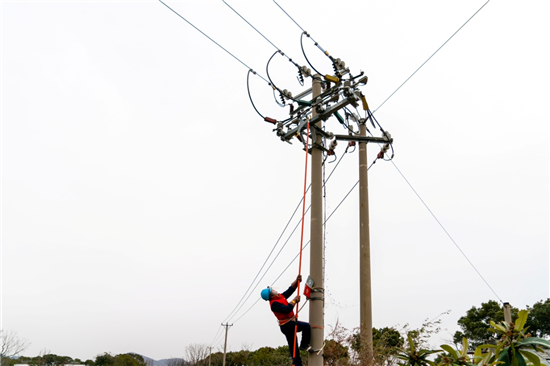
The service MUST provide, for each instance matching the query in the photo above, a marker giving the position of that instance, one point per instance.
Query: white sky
(141, 192)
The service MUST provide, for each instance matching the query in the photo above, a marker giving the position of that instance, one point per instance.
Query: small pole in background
(507, 314)
(226, 325)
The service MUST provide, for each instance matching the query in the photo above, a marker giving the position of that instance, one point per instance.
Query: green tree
(265, 356)
(539, 319)
(387, 337)
(335, 353)
(129, 359)
(51, 359)
(476, 325)
(105, 359)
(383, 338)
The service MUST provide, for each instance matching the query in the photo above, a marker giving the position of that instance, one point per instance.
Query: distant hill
(151, 362)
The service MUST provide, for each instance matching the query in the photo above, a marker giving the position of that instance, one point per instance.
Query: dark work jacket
(281, 308)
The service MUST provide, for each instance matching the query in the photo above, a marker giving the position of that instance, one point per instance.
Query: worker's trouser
(288, 330)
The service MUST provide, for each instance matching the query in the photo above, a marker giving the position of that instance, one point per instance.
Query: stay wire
(445, 230)
(433, 54)
(402, 175)
(204, 34)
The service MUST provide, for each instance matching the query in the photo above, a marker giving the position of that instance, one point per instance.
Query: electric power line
(305, 246)
(372, 115)
(288, 15)
(343, 155)
(237, 307)
(247, 22)
(216, 43)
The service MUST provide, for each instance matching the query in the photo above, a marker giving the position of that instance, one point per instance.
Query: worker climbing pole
(331, 94)
(283, 310)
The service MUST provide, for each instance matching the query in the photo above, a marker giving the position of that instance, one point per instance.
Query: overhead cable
(289, 16)
(260, 33)
(309, 36)
(204, 34)
(305, 245)
(241, 302)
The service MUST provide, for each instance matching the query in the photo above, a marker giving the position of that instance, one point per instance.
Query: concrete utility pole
(226, 325)
(210, 356)
(316, 307)
(366, 356)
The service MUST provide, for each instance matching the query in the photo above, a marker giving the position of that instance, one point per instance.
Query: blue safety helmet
(265, 293)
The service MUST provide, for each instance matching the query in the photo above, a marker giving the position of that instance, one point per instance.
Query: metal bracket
(367, 139)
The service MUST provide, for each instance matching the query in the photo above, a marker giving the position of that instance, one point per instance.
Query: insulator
(271, 120)
(282, 98)
(351, 143)
(383, 151)
(333, 144)
(330, 152)
(300, 77)
(305, 70)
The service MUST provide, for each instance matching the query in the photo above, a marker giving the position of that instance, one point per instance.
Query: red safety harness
(283, 318)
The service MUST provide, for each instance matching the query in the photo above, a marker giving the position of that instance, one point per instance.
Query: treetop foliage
(476, 328)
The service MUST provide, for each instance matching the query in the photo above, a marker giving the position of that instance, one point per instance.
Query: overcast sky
(141, 192)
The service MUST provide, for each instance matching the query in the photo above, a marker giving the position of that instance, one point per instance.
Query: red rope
(301, 243)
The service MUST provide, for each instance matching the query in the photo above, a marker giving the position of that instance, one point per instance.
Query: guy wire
(433, 54)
